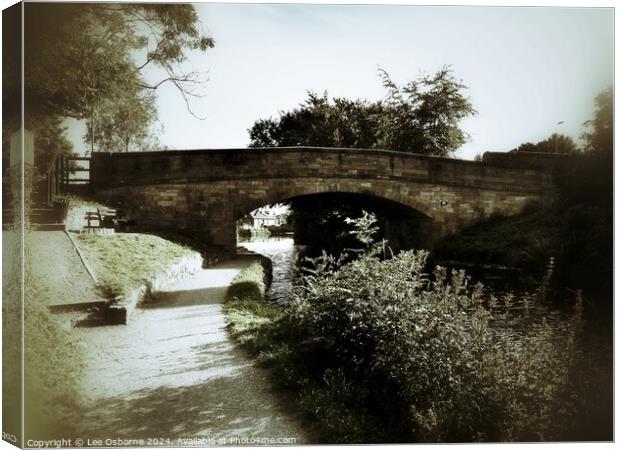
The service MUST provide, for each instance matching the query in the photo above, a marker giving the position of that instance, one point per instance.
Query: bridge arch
(224, 206)
(401, 225)
(203, 192)
(291, 190)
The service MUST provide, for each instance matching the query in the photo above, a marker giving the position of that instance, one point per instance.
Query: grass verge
(249, 315)
(124, 261)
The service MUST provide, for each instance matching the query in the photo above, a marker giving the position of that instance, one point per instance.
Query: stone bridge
(202, 193)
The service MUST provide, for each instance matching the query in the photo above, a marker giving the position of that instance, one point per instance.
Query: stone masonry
(203, 193)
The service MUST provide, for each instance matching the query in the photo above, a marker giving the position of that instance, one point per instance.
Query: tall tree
(124, 124)
(421, 117)
(80, 54)
(83, 58)
(320, 122)
(600, 136)
(556, 143)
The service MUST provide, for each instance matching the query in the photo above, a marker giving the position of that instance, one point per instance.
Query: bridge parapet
(549, 162)
(111, 170)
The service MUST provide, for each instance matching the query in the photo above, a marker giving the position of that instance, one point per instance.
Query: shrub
(253, 233)
(576, 228)
(435, 360)
(246, 309)
(579, 236)
(52, 356)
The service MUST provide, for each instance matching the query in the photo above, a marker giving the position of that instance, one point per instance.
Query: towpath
(174, 376)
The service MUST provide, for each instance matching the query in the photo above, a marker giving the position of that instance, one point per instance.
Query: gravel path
(173, 374)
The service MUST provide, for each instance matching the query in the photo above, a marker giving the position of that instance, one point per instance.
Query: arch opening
(317, 221)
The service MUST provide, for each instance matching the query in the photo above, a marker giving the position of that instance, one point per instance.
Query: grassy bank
(52, 356)
(123, 261)
(576, 229)
(248, 313)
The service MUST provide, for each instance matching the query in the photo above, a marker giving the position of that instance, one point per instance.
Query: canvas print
(291, 224)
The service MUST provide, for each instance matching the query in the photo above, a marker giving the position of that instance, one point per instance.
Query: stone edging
(82, 258)
(122, 306)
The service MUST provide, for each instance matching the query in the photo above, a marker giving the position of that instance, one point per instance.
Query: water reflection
(283, 253)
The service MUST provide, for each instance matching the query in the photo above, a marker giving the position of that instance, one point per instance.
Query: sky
(526, 68)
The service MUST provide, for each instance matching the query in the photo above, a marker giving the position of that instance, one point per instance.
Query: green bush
(253, 233)
(576, 228)
(53, 357)
(247, 311)
(523, 241)
(53, 370)
(433, 360)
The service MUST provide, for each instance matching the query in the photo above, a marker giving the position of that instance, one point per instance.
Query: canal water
(284, 254)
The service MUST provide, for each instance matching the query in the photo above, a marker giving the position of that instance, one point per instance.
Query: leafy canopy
(124, 125)
(321, 122)
(100, 62)
(420, 117)
(78, 55)
(556, 143)
(600, 136)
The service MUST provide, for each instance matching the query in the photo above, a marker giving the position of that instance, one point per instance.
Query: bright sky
(527, 68)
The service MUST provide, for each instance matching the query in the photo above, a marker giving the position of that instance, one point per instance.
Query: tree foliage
(50, 138)
(420, 117)
(423, 115)
(600, 136)
(123, 125)
(320, 122)
(81, 54)
(101, 62)
(556, 143)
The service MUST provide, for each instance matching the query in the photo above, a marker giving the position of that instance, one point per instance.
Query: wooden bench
(114, 218)
(92, 216)
(108, 217)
